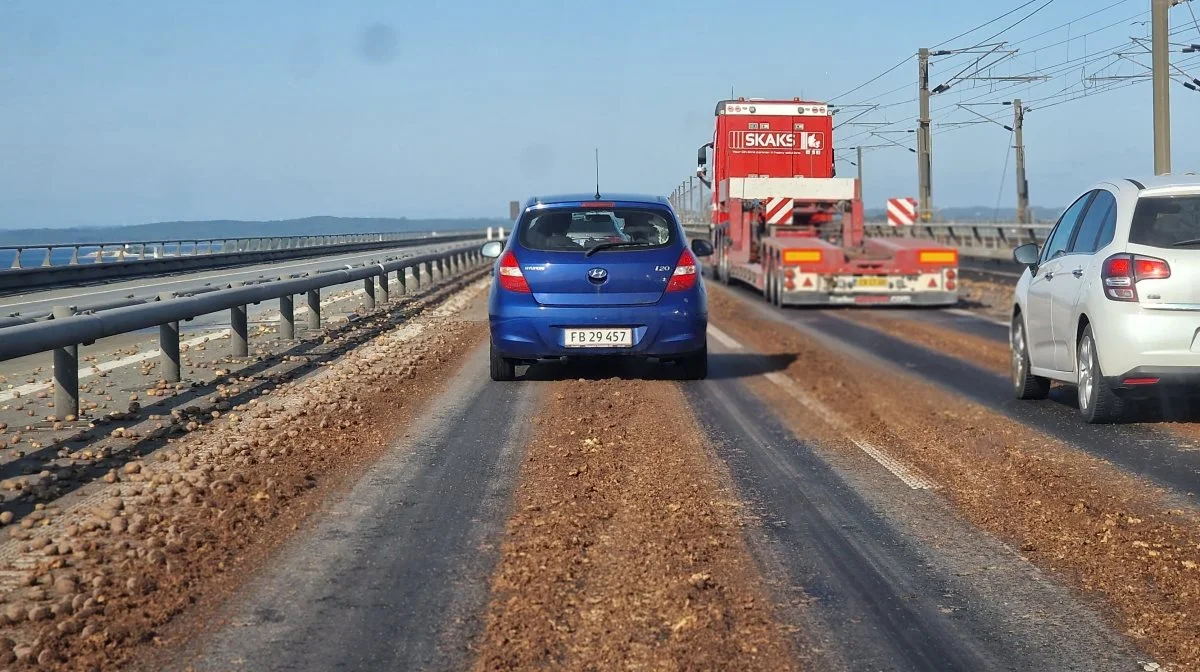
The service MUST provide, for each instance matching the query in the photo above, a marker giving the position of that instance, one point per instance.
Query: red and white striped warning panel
(778, 210)
(902, 211)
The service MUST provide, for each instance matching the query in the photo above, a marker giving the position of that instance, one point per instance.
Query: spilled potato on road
(129, 570)
(1098, 529)
(625, 547)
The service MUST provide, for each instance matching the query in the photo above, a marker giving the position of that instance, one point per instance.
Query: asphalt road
(395, 576)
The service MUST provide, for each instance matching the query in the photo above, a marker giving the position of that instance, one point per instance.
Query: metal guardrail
(67, 329)
(982, 240)
(230, 252)
(130, 250)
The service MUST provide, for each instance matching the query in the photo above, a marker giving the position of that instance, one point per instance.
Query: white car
(1111, 303)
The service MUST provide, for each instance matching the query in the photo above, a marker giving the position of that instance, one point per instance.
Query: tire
(695, 366)
(1098, 404)
(1025, 385)
(502, 369)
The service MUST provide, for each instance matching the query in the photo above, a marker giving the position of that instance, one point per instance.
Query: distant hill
(228, 228)
(977, 214)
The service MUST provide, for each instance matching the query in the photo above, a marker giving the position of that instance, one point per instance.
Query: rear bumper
(1133, 339)
(1151, 378)
(873, 298)
(522, 329)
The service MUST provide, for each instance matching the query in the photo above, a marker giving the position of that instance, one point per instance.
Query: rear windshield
(1166, 221)
(579, 229)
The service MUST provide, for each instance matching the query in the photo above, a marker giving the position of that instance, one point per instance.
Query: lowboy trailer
(786, 225)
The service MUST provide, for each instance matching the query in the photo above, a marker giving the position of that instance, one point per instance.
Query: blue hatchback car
(587, 276)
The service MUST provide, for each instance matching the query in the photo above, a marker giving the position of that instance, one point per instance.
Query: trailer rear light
(939, 257)
(790, 273)
(1121, 272)
(684, 276)
(950, 284)
(511, 277)
(797, 256)
(950, 274)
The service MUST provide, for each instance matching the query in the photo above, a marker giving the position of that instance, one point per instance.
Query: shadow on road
(721, 366)
(1166, 407)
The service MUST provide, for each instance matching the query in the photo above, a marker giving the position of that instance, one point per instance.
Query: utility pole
(1160, 61)
(860, 170)
(1022, 184)
(924, 145)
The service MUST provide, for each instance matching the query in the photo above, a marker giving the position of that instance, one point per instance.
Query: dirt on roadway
(990, 354)
(1099, 529)
(625, 548)
(988, 297)
(120, 576)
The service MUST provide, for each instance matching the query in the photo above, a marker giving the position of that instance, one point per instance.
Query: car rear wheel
(502, 368)
(695, 366)
(1025, 384)
(1097, 401)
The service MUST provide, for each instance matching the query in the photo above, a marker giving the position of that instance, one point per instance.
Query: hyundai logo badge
(597, 274)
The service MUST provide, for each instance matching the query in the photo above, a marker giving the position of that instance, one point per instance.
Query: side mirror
(492, 248)
(701, 160)
(1027, 255)
(702, 248)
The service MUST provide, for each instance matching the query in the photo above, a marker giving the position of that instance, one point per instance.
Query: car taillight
(684, 276)
(1122, 271)
(511, 277)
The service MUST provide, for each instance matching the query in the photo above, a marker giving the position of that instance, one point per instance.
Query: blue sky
(123, 112)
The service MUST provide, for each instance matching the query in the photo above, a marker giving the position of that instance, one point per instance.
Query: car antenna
(597, 173)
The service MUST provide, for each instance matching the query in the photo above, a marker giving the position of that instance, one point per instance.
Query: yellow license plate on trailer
(870, 282)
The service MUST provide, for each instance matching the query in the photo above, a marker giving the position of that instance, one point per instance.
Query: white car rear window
(1166, 221)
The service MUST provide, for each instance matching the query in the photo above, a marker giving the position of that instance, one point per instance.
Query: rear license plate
(598, 338)
(870, 282)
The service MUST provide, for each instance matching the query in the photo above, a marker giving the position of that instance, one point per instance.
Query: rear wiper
(1193, 241)
(607, 246)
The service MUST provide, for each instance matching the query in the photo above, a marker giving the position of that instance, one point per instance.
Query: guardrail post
(287, 317)
(239, 333)
(314, 309)
(369, 288)
(66, 373)
(168, 344)
(384, 298)
(46, 261)
(401, 280)
(74, 256)
(16, 258)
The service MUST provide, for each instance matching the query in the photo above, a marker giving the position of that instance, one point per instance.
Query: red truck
(786, 225)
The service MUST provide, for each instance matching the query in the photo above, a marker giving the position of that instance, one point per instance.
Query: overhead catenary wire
(907, 59)
(1004, 173)
(880, 98)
